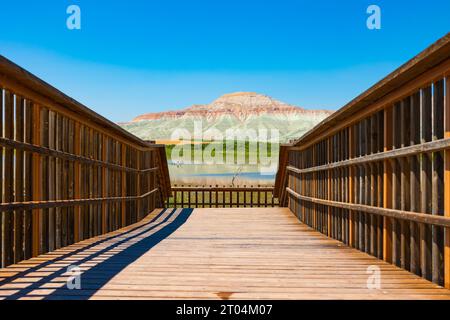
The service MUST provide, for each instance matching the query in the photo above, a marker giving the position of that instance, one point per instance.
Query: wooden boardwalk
(244, 253)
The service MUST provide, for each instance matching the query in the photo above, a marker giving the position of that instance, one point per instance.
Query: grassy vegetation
(259, 146)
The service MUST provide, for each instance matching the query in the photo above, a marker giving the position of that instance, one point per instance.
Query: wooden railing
(221, 197)
(376, 174)
(67, 173)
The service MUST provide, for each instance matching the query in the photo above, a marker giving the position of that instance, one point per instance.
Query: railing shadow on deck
(105, 270)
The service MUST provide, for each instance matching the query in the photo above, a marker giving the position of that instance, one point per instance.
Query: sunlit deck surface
(244, 253)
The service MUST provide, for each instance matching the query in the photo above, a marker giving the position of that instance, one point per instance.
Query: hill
(240, 110)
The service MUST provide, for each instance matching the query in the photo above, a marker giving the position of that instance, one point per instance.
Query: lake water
(223, 175)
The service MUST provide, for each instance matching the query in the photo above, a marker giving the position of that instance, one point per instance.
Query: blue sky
(132, 57)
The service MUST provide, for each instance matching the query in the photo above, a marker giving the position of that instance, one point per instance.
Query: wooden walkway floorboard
(245, 253)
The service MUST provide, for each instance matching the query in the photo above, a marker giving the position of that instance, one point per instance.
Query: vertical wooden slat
(124, 186)
(90, 181)
(119, 185)
(314, 186)
(329, 226)
(357, 215)
(404, 184)
(51, 182)
(84, 211)
(19, 182)
(362, 188)
(28, 180)
(223, 199)
(396, 186)
(367, 186)
(96, 208)
(37, 179)
(387, 186)
(118, 174)
(216, 198)
(438, 183)
(351, 190)
(59, 186)
(69, 182)
(1, 176)
(189, 199)
(447, 184)
(380, 183)
(373, 185)
(78, 230)
(425, 183)
(415, 183)
(43, 221)
(7, 257)
(104, 183)
(182, 198)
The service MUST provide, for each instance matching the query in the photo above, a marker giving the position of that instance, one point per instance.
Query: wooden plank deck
(245, 253)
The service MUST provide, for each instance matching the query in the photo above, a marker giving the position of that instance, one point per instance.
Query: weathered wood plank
(254, 264)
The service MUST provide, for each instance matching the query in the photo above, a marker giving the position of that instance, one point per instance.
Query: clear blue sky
(132, 57)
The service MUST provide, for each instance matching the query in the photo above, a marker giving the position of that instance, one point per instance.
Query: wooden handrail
(24, 83)
(30, 205)
(69, 173)
(436, 220)
(427, 147)
(376, 174)
(424, 68)
(11, 144)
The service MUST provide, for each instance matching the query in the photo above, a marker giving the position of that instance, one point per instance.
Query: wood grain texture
(232, 253)
(58, 185)
(447, 184)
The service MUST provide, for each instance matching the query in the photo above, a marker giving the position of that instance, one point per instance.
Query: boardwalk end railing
(376, 174)
(67, 174)
(221, 197)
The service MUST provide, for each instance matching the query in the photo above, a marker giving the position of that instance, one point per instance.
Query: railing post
(447, 185)
(1, 184)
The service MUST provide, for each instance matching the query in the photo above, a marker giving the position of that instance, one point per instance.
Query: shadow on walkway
(124, 249)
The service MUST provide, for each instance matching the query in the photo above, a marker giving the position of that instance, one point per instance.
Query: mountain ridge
(243, 110)
(239, 104)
